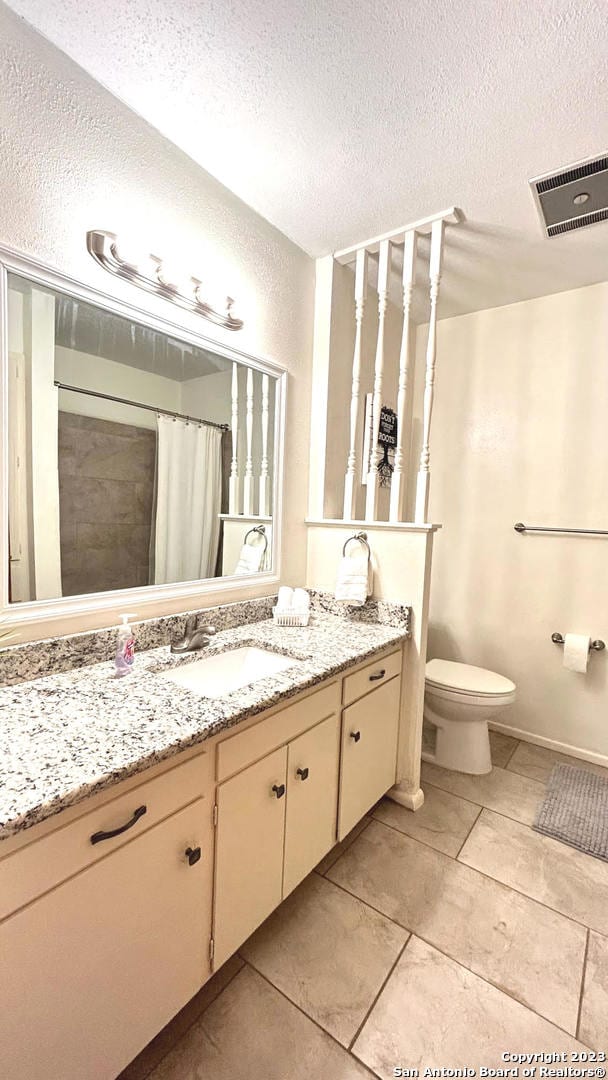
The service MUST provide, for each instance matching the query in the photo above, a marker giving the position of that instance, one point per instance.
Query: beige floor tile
(155, 1051)
(252, 1031)
(339, 849)
(515, 796)
(594, 1011)
(328, 953)
(501, 748)
(519, 945)
(433, 1012)
(444, 821)
(560, 876)
(537, 762)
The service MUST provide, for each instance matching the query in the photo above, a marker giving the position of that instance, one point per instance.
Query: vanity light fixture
(155, 276)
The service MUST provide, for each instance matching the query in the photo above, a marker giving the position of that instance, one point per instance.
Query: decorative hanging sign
(387, 439)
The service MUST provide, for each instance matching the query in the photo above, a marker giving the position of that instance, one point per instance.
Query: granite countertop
(70, 735)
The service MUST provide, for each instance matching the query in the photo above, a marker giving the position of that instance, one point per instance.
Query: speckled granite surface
(32, 659)
(70, 735)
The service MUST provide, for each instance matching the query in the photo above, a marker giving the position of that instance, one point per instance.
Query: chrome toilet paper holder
(598, 644)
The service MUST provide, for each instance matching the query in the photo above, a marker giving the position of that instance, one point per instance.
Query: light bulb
(173, 277)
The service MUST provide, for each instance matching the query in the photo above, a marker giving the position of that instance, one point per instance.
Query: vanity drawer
(38, 867)
(237, 752)
(371, 676)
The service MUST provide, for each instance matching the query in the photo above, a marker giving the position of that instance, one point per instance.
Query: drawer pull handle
(303, 773)
(279, 790)
(99, 836)
(356, 735)
(380, 675)
(192, 855)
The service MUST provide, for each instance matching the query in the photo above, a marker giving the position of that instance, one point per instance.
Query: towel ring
(361, 537)
(261, 531)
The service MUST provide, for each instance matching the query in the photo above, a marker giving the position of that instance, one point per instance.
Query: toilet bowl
(458, 702)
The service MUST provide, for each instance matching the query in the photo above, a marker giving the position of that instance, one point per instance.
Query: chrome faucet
(195, 637)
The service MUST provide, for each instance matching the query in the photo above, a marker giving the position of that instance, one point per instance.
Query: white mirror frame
(36, 611)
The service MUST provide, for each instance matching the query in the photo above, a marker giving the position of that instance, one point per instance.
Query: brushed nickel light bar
(105, 249)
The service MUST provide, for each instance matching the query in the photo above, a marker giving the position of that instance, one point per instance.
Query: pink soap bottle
(125, 647)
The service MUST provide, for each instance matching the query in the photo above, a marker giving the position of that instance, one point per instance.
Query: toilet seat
(469, 684)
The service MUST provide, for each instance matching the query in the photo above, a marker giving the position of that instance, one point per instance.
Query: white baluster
(233, 486)
(264, 507)
(399, 477)
(248, 486)
(376, 455)
(350, 481)
(424, 473)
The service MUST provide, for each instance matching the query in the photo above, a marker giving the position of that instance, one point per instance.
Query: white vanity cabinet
(370, 729)
(95, 967)
(114, 917)
(277, 817)
(249, 851)
(312, 797)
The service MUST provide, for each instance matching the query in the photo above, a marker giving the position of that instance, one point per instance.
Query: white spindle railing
(371, 503)
(233, 485)
(264, 507)
(424, 473)
(249, 481)
(408, 236)
(352, 470)
(399, 478)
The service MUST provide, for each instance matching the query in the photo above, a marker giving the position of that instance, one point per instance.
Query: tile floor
(434, 939)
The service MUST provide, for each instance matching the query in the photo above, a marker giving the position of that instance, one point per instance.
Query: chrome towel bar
(598, 645)
(362, 539)
(521, 528)
(261, 531)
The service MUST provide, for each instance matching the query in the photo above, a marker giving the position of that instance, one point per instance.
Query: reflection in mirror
(135, 459)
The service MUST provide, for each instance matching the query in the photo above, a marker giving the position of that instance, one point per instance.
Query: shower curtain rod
(139, 405)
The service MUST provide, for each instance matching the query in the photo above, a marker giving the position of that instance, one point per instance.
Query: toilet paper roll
(576, 652)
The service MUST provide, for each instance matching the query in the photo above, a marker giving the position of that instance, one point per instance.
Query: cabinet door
(95, 968)
(369, 753)
(312, 799)
(249, 851)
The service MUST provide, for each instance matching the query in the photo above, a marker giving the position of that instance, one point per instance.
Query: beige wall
(75, 158)
(520, 434)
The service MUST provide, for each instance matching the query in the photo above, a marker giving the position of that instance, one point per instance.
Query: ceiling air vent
(573, 197)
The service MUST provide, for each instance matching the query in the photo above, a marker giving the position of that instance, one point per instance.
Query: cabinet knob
(279, 790)
(192, 855)
(356, 735)
(302, 773)
(379, 675)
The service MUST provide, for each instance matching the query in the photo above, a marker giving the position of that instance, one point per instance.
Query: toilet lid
(466, 678)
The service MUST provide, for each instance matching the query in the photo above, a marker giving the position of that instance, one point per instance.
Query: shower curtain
(188, 501)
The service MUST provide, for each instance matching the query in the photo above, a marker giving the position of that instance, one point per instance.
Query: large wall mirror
(135, 457)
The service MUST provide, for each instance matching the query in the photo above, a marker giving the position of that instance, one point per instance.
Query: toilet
(459, 700)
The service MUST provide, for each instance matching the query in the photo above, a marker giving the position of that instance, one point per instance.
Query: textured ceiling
(340, 120)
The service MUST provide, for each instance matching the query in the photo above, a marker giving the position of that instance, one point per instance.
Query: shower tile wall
(106, 491)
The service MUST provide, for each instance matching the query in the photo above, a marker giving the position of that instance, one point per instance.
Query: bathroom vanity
(157, 827)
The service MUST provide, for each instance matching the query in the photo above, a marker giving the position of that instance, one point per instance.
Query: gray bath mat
(575, 810)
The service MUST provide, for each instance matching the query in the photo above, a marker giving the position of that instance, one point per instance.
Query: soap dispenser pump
(125, 646)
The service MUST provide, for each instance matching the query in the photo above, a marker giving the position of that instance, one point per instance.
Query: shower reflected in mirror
(135, 458)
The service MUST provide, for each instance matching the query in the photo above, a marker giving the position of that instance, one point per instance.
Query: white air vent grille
(573, 197)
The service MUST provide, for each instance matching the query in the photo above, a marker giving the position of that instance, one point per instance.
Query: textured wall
(75, 158)
(519, 434)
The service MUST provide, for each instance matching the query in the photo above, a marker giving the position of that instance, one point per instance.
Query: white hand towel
(354, 579)
(301, 600)
(250, 559)
(285, 598)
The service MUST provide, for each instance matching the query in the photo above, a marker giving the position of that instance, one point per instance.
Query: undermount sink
(220, 674)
